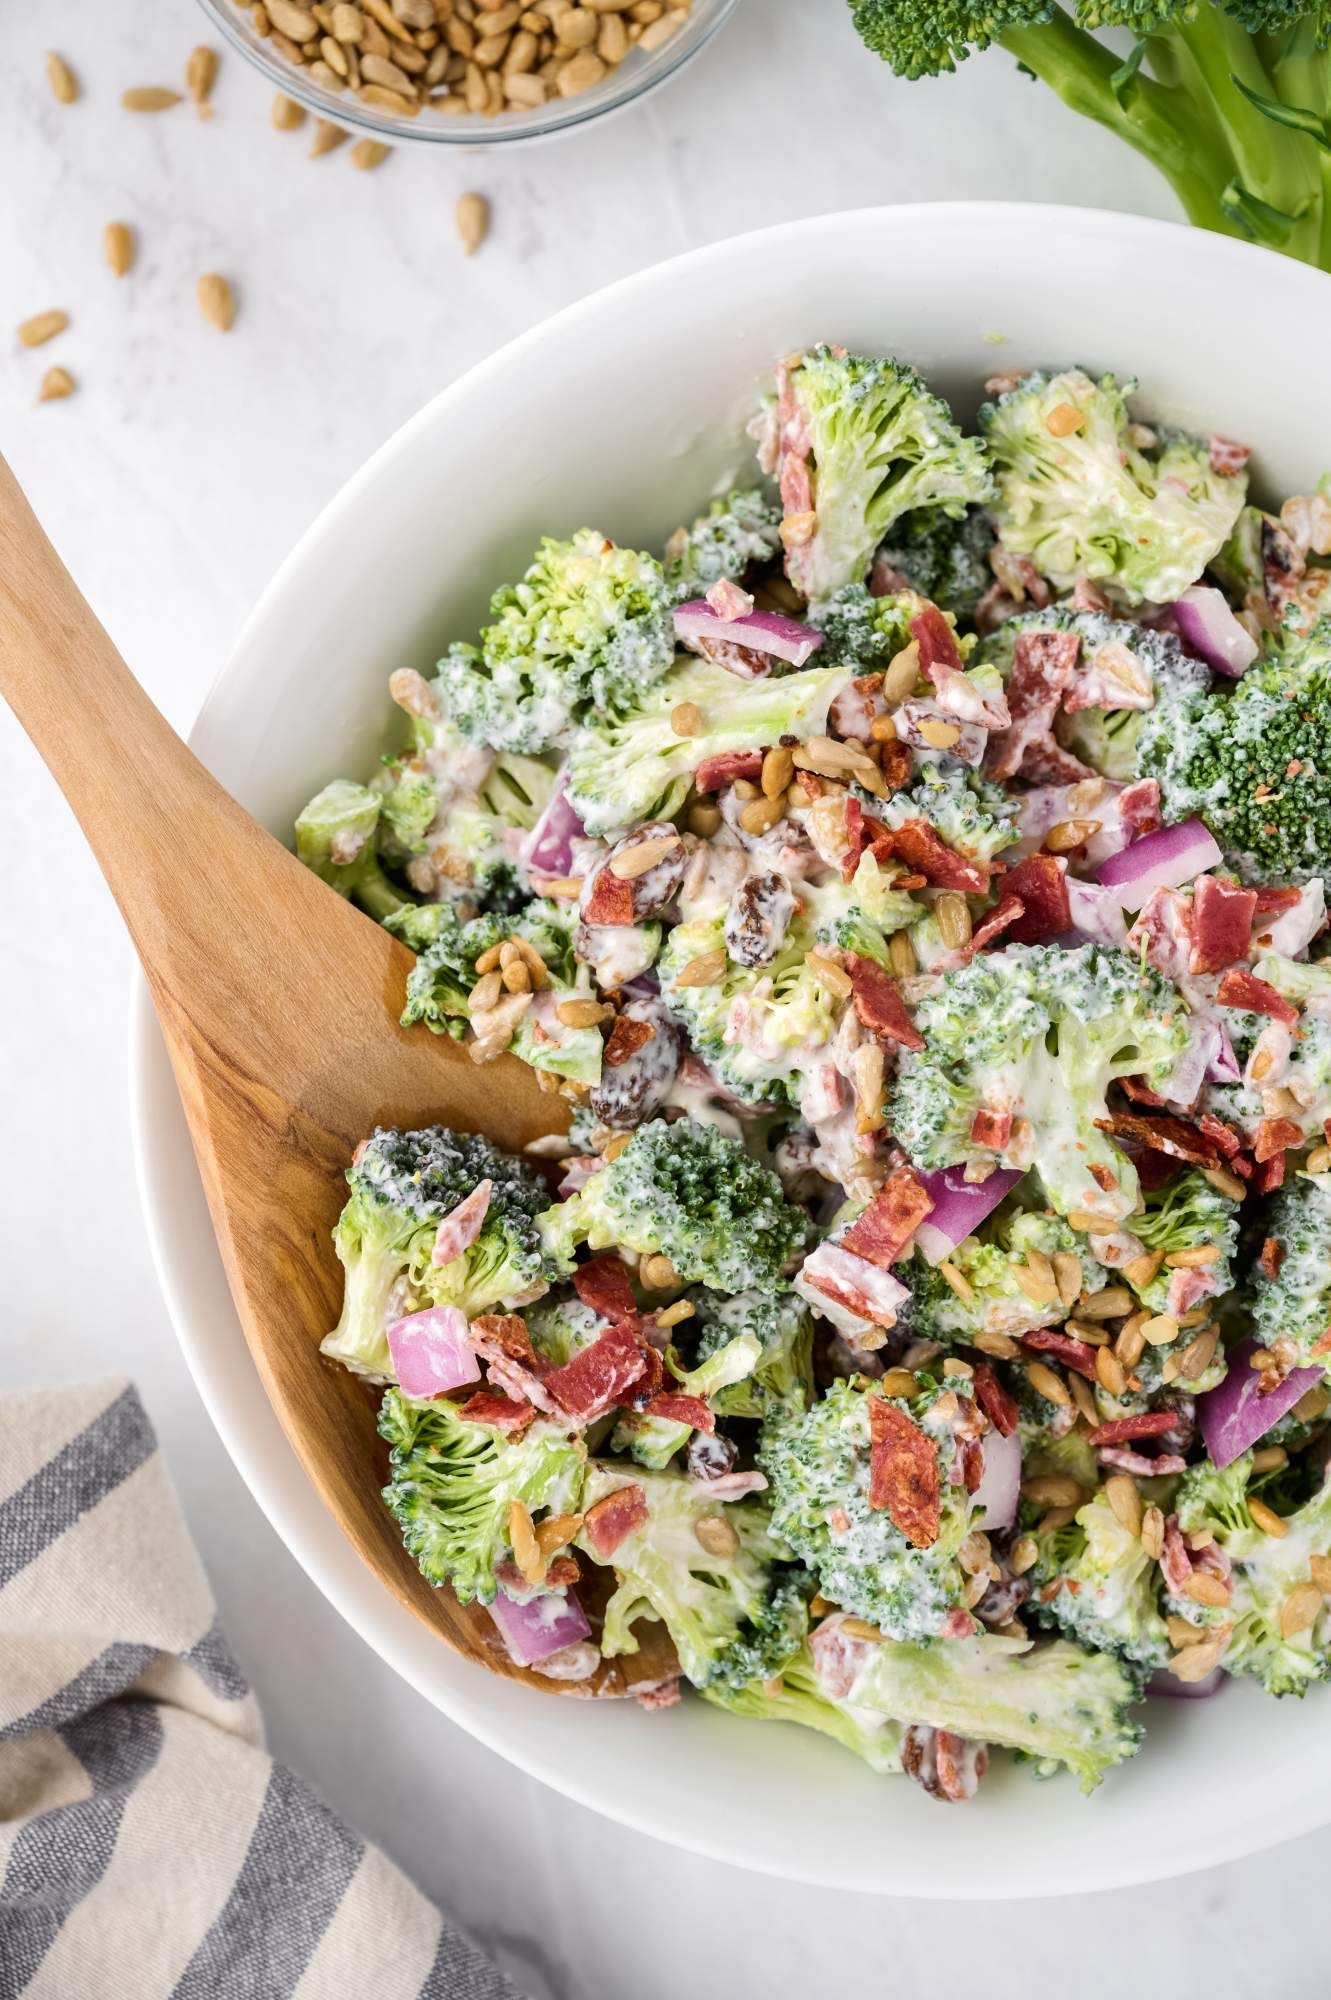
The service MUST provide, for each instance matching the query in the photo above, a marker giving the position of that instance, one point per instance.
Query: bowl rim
(291, 1505)
(674, 56)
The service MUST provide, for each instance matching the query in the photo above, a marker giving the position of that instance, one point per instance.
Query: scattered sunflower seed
(57, 383)
(35, 332)
(64, 84)
(472, 215)
(216, 301)
(118, 247)
(150, 97)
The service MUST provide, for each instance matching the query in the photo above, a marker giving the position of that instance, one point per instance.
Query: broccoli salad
(911, 877)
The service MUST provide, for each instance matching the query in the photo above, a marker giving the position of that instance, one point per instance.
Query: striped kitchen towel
(149, 1846)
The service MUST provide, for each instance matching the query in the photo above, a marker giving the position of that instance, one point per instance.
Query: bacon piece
(1269, 1175)
(1244, 989)
(500, 1412)
(1228, 456)
(626, 1038)
(610, 1520)
(1133, 1087)
(1151, 1423)
(1164, 925)
(1272, 902)
(991, 1128)
(1175, 1560)
(1072, 1353)
(691, 1410)
(504, 1334)
(1042, 668)
(1139, 805)
(997, 921)
(1156, 1170)
(852, 1293)
(603, 1283)
(1188, 1288)
(1163, 1135)
(1048, 763)
(860, 830)
(638, 1394)
(853, 712)
(1038, 884)
(1221, 924)
(664, 1695)
(462, 1225)
(1225, 1136)
(878, 1003)
(609, 901)
(588, 1385)
(1275, 1135)
(970, 1457)
(714, 773)
(937, 643)
(994, 1400)
(903, 1473)
(897, 766)
(916, 843)
(882, 1232)
(1272, 1257)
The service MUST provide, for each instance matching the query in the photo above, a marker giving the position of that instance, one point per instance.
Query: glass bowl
(639, 73)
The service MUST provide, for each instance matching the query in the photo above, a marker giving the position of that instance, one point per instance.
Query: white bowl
(624, 412)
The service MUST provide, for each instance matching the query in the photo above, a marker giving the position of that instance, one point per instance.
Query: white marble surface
(172, 484)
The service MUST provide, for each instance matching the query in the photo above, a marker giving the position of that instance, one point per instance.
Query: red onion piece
(578, 1170)
(545, 1624)
(1235, 1415)
(432, 1352)
(1097, 914)
(1167, 1684)
(1206, 624)
(1165, 859)
(959, 1206)
(999, 1489)
(550, 843)
(761, 632)
(1223, 1064)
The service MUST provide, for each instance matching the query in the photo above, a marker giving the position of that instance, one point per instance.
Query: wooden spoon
(279, 1004)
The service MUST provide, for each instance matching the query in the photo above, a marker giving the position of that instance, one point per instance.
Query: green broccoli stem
(1271, 162)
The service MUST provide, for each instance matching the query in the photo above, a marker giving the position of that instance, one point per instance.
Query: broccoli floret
(782, 1374)
(440, 982)
(920, 38)
(1254, 762)
(880, 445)
(336, 837)
(453, 1482)
(1044, 1032)
(713, 1593)
(1259, 1637)
(1054, 1702)
(741, 529)
(1011, 1290)
(757, 1027)
(475, 834)
(653, 1441)
(946, 560)
(863, 631)
(1187, 1213)
(587, 632)
(797, 1695)
(621, 773)
(976, 818)
(1108, 1588)
(1295, 1304)
(818, 1465)
(402, 1186)
(1079, 497)
(686, 1192)
(560, 1326)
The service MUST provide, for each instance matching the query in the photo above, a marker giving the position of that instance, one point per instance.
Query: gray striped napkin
(149, 1846)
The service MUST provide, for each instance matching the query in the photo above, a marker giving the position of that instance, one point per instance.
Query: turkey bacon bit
(611, 1520)
(714, 773)
(603, 1283)
(903, 1473)
(610, 900)
(997, 922)
(626, 1038)
(506, 1334)
(690, 1410)
(1038, 884)
(878, 1003)
(994, 1400)
(1077, 1354)
(593, 1381)
(1042, 668)
(1229, 1141)
(1173, 1136)
(1269, 1175)
(500, 1412)
(937, 643)
(1275, 1135)
(1274, 902)
(991, 1128)
(1221, 924)
(1151, 1423)
(1272, 1257)
(882, 1232)
(916, 843)
(1244, 989)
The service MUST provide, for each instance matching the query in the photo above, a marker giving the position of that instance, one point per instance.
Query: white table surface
(172, 484)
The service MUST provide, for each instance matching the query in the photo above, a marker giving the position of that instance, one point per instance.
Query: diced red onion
(543, 1625)
(1165, 859)
(959, 1206)
(432, 1352)
(1222, 1065)
(1235, 1415)
(786, 639)
(550, 843)
(1096, 913)
(999, 1489)
(1206, 624)
(577, 1172)
(1167, 1684)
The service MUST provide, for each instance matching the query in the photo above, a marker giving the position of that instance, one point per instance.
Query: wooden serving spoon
(279, 1004)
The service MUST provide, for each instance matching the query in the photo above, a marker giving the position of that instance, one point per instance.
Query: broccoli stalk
(797, 1695)
(781, 1375)
(337, 837)
(1231, 105)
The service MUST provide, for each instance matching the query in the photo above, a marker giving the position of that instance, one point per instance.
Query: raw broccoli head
(447, 949)
(1108, 1588)
(586, 632)
(1254, 762)
(976, 818)
(863, 631)
(881, 445)
(687, 1192)
(1008, 1295)
(1265, 1570)
(452, 1483)
(782, 1374)
(1089, 502)
(653, 1441)
(919, 38)
(817, 1464)
(624, 772)
(757, 1027)
(797, 1695)
(336, 836)
(402, 1186)
(720, 1604)
(1041, 1032)
(1055, 1703)
(945, 559)
(1295, 1305)
(1187, 1213)
(738, 530)
(861, 915)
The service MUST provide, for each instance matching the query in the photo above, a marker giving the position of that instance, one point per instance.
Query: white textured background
(173, 484)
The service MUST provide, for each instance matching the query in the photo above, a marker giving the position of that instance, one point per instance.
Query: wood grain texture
(279, 1007)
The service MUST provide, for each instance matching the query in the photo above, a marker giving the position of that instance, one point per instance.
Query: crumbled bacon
(505, 1334)
(626, 1038)
(937, 643)
(1275, 1135)
(1269, 1175)
(603, 1284)
(1042, 668)
(1221, 924)
(610, 1521)
(608, 900)
(462, 1225)
(882, 1232)
(500, 1412)
(996, 923)
(1072, 1353)
(714, 773)
(879, 1006)
(1226, 1138)
(991, 1128)
(1163, 1135)
(916, 843)
(903, 1473)
(1039, 885)
(1244, 989)
(690, 1410)
(1123, 1430)
(598, 1375)
(1272, 1257)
